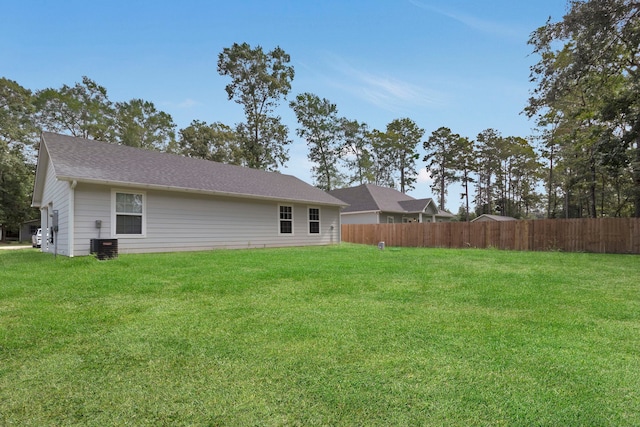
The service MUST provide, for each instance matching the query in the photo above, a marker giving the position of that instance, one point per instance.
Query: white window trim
(113, 213)
(390, 218)
(292, 221)
(319, 221)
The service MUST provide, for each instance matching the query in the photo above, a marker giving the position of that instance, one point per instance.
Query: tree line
(585, 104)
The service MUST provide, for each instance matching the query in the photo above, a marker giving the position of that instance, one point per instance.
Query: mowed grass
(340, 335)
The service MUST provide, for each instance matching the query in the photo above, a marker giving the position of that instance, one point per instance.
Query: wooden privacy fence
(601, 235)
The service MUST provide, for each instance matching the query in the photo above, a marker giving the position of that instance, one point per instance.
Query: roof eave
(124, 184)
(360, 212)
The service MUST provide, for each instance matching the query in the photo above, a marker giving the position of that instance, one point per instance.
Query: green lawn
(341, 335)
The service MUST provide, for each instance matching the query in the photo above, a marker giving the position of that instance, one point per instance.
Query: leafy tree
(216, 142)
(464, 166)
(508, 172)
(616, 184)
(578, 134)
(83, 110)
(487, 164)
(17, 136)
(16, 111)
(138, 124)
(516, 177)
(591, 57)
(16, 184)
(403, 137)
(393, 154)
(550, 135)
(258, 81)
(271, 151)
(356, 151)
(320, 127)
(440, 158)
(383, 158)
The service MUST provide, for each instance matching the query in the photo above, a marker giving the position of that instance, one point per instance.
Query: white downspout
(71, 218)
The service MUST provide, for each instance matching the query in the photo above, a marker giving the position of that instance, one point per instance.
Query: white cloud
(473, 22)
(299, 164)
(424, 176)
(183, 105)
(188, 103)
(382, 90)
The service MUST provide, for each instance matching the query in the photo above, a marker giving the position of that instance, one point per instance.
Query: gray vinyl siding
(55, 196)
(384, 216)
(360, 218)
(92, 202)
(178, 221)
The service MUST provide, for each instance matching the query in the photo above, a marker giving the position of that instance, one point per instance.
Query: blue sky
(459, 63)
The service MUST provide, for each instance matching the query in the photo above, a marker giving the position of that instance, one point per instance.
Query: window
(128, 214)
(389, 220)
(286, 219)
(314, 221)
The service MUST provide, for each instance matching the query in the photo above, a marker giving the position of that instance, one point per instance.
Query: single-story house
(372, 204)
(158, 202)
(492, 218)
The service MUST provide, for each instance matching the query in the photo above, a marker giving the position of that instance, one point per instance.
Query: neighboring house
(372, 204)
(492, 218)
(158, 202)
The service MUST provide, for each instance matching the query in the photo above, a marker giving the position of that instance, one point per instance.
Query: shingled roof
(369, 197)
(85, 160)
(494, 218)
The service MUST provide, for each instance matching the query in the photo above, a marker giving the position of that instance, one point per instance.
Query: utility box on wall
(104, 248)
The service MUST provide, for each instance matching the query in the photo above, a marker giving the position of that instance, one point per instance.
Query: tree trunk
(636, 181)
(442, 189)
(592, 192)
(636, 202)
(466, 194)
(550, 183)
(488, 190)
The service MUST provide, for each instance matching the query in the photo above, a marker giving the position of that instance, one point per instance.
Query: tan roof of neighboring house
(86, 160)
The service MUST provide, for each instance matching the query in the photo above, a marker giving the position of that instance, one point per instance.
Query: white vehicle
(36, 239)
